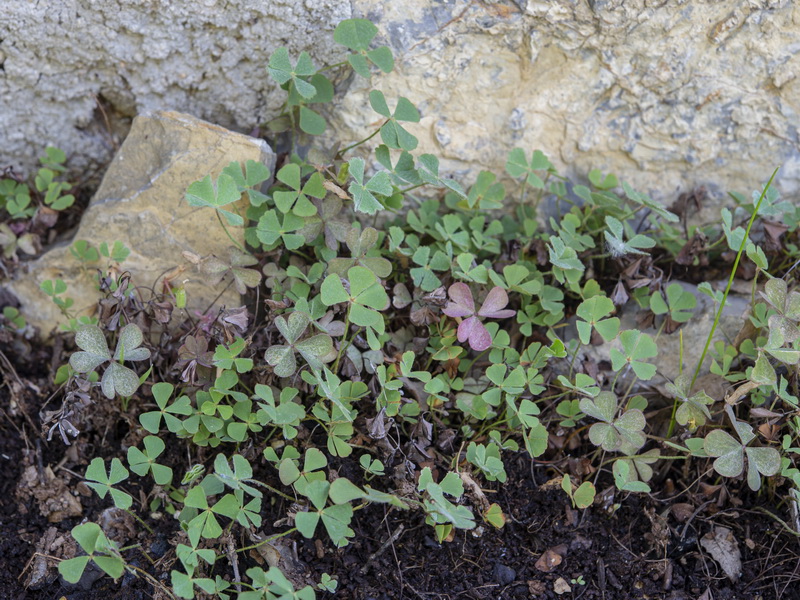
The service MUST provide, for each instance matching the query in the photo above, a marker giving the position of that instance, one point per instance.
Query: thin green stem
(271, 489)
(333, 66)
(228, 233)
(135, 516)
(343, 345)
(269, 539)
(366, 139)
(730, 279)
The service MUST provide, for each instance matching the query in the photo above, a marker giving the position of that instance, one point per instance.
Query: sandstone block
(141, 203)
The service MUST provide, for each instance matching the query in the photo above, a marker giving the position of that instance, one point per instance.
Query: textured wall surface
(61, 60)
(668, 95)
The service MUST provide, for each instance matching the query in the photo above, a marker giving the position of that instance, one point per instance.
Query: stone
(670, 96)
(695, 332)
(141, 203)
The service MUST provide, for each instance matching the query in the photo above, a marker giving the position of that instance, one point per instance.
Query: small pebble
(158, 548)
(504, 575)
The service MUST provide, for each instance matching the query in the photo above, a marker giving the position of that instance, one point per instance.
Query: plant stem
(269, 539)
(366, 139)
(228, 233)
(730, 279)
(343, 345)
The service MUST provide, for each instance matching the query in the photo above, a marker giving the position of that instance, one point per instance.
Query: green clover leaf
(616, 244)
(636, 347)
(392, 133)
(518, 165)
(281, 70)
(297, 200)
(103, 483)
(365, 299)
(613, 431)
(423, 275)
(678, 305)
(730, 453)
(594, 311)
(142, 463)
(364, 199)
(162, 392)
(312, 349)
(356, 34)
(228, 357)
(271, 230)
(693, 410)
(99, 549)
(235, 267)
(205, 193)
(117, 378)
(360, 243)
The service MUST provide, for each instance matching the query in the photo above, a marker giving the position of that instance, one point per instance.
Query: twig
(392, 539)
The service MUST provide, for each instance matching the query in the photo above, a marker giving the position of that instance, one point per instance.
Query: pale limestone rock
(667, 95)
(141, 203)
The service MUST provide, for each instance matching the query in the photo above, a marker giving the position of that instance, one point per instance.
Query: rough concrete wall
(667, 94)
(204, 57)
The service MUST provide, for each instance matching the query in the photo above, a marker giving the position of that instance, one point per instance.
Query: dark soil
(619, 548)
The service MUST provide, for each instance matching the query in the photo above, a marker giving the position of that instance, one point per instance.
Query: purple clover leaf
(462, 305)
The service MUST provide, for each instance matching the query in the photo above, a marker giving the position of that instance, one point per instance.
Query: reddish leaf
(461, 303)
(494, 303)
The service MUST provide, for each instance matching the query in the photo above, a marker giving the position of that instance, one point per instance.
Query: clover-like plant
(117, 378)
(365, 298)
(462, 305)
(636, 348)
(206, 194)
(142, 463)
(335, 517)
(594, 314)
(99, 550)
(730, 453)
(103, 483)
(441, 512)
(234, 267)
(313, 349)
(273, 585)
(359, 243)
(356, 34)
(677, 307)
(613, 432)
(693, 409)
(581, 495)
(787, 305)
(296, 199)
(162, 392)
(363, 193)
